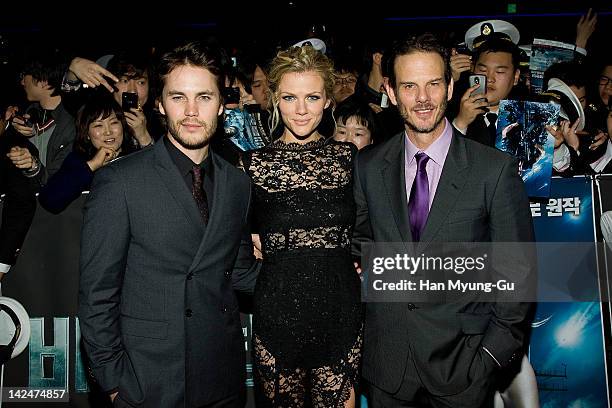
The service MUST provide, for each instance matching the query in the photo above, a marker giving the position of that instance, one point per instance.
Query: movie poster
(567, 344)
(545, 53)
(245, 129)
(521, 132)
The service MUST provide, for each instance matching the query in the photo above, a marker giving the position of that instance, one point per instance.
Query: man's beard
(415, 128)
(208, 131)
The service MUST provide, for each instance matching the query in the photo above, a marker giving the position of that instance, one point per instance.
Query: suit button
(224, 310)
(189, 275)
(188, 313)
(411, 306)
(228, 274)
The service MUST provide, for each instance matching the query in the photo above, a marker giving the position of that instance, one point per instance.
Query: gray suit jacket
(480, 198)
(158, 312)
(60, 143)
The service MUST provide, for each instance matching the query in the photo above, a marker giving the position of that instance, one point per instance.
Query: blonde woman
(307, 318)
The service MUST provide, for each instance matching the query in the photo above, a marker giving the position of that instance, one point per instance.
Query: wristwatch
(34, 170)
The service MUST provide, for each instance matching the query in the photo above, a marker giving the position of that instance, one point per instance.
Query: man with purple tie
(430, 185)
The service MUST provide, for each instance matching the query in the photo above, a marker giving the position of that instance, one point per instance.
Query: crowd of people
(399, 147)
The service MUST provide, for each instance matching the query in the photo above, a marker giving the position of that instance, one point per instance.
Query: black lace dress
(307, 320)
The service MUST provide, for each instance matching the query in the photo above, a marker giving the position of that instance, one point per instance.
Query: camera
(26, 121)
(34, 116)
(231, 95)
(129, 100)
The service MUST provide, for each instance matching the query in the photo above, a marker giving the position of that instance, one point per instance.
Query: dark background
(91, 29)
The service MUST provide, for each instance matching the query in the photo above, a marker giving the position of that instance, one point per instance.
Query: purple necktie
(198, 192)
(418, 203)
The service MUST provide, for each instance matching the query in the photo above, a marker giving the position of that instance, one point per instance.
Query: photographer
(32, 148)
(47, 124)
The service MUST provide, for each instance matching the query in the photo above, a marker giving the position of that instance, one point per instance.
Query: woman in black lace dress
(307, 319)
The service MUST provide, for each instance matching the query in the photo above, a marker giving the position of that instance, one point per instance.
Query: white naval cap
(571, 109)
(484, 30)
(14, 329)
(316, 43)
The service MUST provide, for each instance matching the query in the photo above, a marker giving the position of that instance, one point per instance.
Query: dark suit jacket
(478, 131)
(479, 198)
(158, 312)
(19, 202)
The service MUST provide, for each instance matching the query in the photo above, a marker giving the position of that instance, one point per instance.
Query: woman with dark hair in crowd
(99, 140)
(599, 96)
(307, 318)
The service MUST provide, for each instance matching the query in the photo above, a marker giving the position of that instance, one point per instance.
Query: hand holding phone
(471, 106)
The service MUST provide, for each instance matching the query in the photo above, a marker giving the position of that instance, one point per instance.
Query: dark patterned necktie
(418, 203)
(198, 192)
(492, 118)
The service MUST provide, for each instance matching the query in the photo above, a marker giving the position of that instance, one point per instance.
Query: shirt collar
(183, 162)
(436, 151)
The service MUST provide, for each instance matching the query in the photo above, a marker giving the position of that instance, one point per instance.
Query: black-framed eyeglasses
(604, 80)
(351, 80)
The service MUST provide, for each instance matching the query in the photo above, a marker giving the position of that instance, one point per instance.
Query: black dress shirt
(184, 165)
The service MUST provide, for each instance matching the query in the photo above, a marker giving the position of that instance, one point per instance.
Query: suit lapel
(221, 189)
(173, 181)
(57, 140)
(452, 181)
(394, 180)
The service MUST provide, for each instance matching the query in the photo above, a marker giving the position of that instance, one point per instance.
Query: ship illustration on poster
(521, 132)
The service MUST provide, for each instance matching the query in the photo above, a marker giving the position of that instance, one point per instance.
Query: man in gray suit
(165, 245)
(429, 185)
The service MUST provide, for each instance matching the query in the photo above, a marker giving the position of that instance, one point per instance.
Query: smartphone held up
(231, 95)
(129, 100)
(481, 81)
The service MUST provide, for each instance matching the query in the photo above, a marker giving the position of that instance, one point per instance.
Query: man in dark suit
(165, 246)
(430, 185)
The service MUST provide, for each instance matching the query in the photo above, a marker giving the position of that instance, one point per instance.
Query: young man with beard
(426, 186)
(165, 244)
